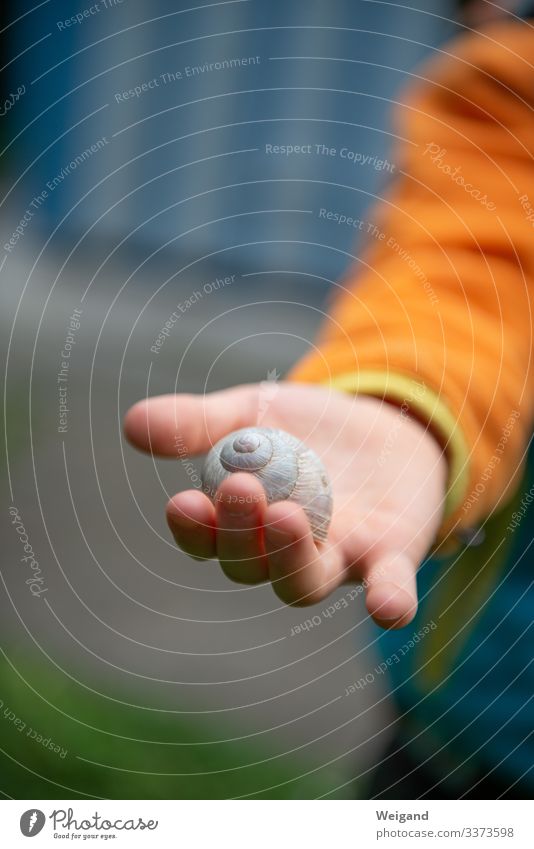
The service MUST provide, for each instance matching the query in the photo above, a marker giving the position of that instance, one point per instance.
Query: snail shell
(286, 468)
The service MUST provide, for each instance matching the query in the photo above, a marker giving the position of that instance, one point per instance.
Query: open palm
(388, 477)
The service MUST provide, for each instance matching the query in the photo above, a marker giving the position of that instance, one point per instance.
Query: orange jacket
(440, 292)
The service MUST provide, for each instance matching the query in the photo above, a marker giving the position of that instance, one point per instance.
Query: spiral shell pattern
(286, 468)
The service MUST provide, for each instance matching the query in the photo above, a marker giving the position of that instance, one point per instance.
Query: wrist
(425, 407)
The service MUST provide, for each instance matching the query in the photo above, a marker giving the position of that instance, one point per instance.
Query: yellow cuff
(427, 406)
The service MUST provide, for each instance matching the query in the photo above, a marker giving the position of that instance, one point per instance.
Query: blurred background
(145, 174)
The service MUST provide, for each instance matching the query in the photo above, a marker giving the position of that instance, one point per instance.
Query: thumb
(391, 597)
(183, 425)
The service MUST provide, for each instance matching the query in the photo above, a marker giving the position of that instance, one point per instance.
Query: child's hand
(388, 477)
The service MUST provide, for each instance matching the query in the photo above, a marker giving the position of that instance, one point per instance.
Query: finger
(191, 518)
(239, 509)
(300, 572)
(391, 589)
(182, 425)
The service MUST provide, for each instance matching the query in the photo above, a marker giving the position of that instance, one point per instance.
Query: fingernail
(388, 610)
(278, 536)
(238, 508)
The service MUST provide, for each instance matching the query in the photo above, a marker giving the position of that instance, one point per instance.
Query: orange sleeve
(441, 290)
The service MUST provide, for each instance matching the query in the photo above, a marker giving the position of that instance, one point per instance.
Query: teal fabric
(465, 691)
